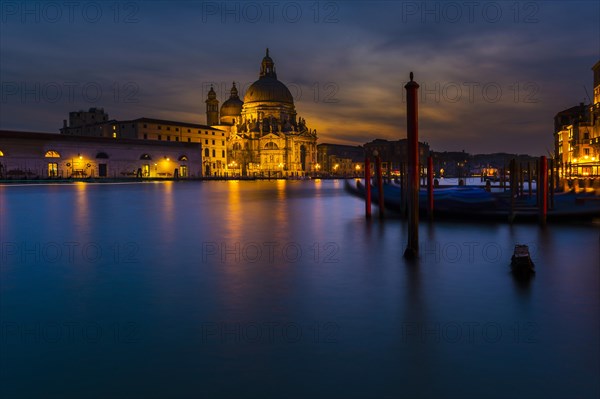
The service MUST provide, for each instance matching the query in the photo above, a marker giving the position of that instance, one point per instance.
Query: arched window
(271, 146)
(146, 157)
(101, 155)
(52, 154)
(183, 158)
(237, 147)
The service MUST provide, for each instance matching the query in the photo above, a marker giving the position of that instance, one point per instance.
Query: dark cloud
(346, 63)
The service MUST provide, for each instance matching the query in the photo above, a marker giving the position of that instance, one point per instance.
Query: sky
(492, 73)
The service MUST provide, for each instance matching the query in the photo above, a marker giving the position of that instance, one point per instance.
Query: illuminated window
(52, 154)
(52, 169)
(271, 146)
(1, 154)
(183, 171)
(114, 135)
(183, 158)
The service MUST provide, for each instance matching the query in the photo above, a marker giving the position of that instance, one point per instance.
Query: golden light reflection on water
(167, 203)
(82, 211)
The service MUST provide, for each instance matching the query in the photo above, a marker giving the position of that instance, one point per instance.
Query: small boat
(521, 260)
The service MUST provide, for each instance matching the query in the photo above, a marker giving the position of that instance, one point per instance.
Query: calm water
(280, 289)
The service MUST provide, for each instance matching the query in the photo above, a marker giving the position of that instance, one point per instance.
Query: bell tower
(267, 67)
(212, 108)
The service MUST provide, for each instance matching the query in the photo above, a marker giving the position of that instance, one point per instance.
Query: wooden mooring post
(430, 187)
(412, 130)
(543, 189)
(379, 175)
(367, 187)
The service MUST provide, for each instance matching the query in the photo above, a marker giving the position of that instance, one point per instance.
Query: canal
(280, 289)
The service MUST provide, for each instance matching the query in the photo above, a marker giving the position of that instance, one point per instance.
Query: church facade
(266, 138)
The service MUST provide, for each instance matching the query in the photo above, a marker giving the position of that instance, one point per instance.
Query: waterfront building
(339, 159)
(266, 137)
(394, 153)
(35, 155)
(214, 155)
(577, 136)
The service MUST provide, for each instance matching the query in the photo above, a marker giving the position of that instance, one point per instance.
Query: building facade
(214, 154)
(394, 154)
(577, 136)
(32, 155)
(265, 136)
(340, 160)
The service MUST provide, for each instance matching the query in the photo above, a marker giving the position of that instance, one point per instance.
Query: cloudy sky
(492, 73)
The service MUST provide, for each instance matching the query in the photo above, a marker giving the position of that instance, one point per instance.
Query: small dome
(233, 105)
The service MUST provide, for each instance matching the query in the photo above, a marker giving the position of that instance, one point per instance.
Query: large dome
(268, 88)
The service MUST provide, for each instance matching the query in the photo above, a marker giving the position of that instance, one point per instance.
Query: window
(114, 135)
(223, 154)
(206, 142)
(159, 127)
(176, 138)
(199, 132)
(222, 142)
(213, 133)
(237, 147)
(168, 138)
(213, 142)
(176, 129)
(222, 134)
(145, 126)
(271, 146)
(52, 154)
(206, 132)
(183, 158)
(206, 152)
(52, 169)
(189, 139)
(214, 153)
(586, 136)
(1, 154)
(183, 171)
(159, 137)
(168, 127)
(145, 136)
(189, 131)
(586, 151)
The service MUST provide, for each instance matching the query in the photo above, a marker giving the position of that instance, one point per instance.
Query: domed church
(266, 137)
